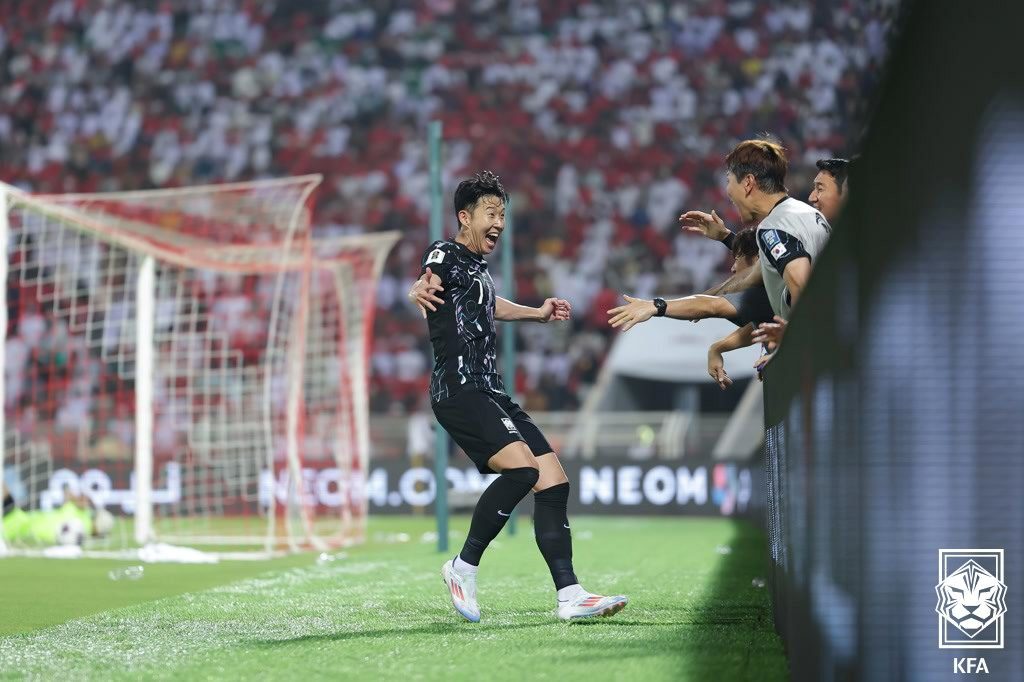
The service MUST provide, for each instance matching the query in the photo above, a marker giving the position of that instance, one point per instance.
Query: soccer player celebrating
(829, 193)
(790, 233)
(469, 401)
(755, 183)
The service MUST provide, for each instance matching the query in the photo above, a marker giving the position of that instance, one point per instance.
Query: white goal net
(191, 360)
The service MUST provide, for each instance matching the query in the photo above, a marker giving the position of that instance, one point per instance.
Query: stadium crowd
(605, 119)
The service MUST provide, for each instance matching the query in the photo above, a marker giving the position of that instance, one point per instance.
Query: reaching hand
(635, 311)
(771, 333)
(422, 292)
(707, 224)
(761, 363)
(555, 309)
(716, 369)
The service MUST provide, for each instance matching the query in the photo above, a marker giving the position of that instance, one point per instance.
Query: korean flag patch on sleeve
(436, 256)
(772, 242)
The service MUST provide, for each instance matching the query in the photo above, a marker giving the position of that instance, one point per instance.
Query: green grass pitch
(382, 612)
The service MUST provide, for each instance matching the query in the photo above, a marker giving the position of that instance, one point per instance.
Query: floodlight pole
(4, 227)
(508, 338)
(441, 441)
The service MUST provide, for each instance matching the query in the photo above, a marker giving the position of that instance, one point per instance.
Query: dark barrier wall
(896, 406)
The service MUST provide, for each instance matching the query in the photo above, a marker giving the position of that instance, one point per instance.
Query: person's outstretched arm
(748, 279)
(698, 307)
(552, 310)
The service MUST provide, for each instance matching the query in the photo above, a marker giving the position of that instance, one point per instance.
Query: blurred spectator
(605, 119)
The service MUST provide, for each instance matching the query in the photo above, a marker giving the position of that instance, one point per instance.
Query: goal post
(193, 360)
(145, 295)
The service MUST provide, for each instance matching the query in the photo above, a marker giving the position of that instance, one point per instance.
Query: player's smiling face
(825, 196)
(480, 229)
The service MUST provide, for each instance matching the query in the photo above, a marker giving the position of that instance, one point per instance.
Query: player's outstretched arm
(553, 310)
(698, 307)
(423, 292)
(708, 224)
(741, 338)
(721, 287)
(745, 280)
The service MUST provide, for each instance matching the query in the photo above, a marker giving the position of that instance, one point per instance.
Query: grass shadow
(739, 613)
(725, 633)
(729, 634)
(435, 628)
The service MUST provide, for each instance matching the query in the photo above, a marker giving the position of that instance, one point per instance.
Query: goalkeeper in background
(69, 524)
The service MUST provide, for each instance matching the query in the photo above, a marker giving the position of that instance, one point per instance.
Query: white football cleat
(586, 605)
(462, 587)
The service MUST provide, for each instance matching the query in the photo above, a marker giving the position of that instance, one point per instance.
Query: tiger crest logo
(971, 599)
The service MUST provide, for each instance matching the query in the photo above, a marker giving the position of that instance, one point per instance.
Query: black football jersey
(462, 329)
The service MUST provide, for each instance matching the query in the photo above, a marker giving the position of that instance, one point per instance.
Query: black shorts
(483, 422)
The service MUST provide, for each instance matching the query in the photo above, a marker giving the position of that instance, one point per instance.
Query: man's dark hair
(764, 159)
(470, 191)
(839, 169)
(745, 243)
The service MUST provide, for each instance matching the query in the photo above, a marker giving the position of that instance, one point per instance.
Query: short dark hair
(745, 243)
(764, 159)
(483, 184)
(839, 169)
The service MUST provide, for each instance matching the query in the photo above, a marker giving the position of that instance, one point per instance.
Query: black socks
(551, 526)
(493, 509)
(550, 521)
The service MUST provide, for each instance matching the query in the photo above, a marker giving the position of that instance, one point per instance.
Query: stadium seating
(573, 104)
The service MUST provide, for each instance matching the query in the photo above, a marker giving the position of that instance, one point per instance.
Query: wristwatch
(660, 306)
